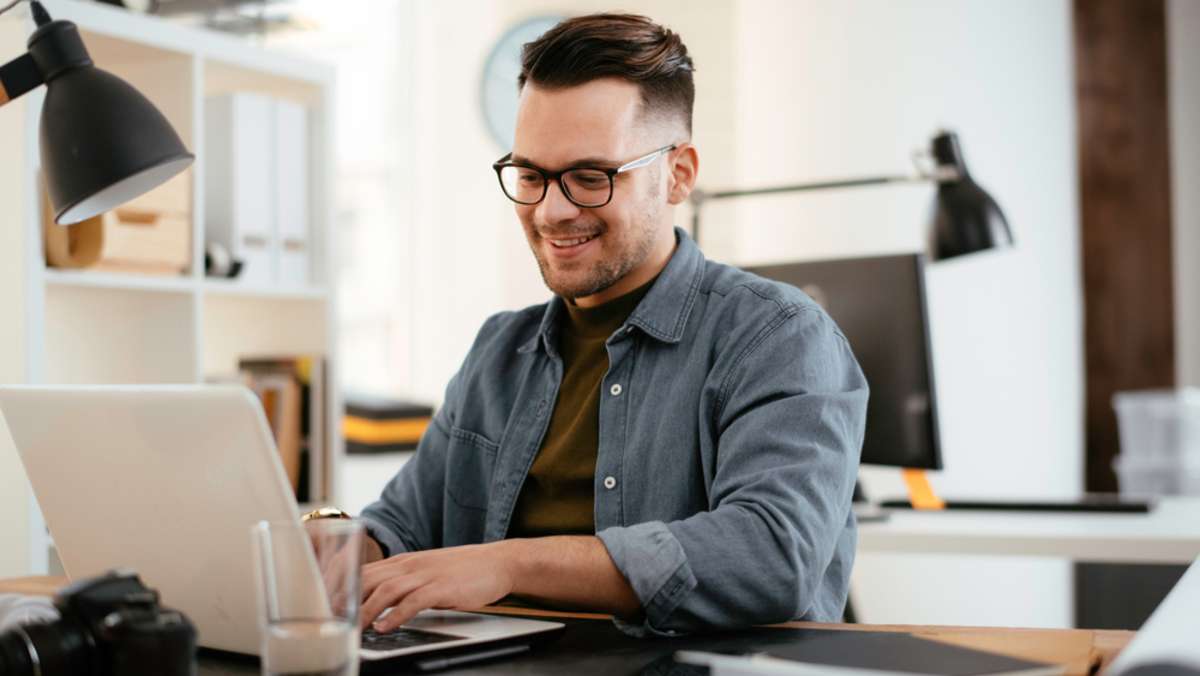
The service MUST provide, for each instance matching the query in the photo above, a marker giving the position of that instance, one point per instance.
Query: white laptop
(168, 480)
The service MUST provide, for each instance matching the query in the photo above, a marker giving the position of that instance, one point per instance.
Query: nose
(555, 208)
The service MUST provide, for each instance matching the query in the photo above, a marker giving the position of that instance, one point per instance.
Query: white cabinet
(291, 192)
(239, 200)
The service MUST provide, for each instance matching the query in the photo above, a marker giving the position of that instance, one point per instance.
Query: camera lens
(55, 649)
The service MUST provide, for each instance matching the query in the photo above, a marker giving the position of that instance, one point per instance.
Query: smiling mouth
(568, 243)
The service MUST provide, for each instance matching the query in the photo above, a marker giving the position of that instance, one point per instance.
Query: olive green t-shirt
(558, 495)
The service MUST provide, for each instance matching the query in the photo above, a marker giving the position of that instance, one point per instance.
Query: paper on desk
(1170, 633)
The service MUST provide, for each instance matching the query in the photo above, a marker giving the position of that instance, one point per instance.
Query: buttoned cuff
(388, 541)
(654, 563)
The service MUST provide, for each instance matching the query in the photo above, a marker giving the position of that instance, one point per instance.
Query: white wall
(15, 502)
(1183, 65)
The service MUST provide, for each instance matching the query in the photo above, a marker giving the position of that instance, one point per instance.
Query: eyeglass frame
(556, 176)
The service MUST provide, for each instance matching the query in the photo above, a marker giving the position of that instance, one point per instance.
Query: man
(669, 440)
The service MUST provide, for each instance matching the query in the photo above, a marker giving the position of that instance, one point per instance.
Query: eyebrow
(582, 162)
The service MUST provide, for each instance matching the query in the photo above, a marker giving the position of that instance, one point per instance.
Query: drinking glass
(308, 584)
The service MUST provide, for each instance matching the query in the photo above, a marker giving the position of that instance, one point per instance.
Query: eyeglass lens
(584, 187)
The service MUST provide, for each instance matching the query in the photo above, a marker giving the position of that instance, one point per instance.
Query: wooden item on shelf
(133, 238)
(146, 241)
(77, 246)
(307, 428)
(280, 395)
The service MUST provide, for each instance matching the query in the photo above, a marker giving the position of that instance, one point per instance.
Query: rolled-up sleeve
(788, 419)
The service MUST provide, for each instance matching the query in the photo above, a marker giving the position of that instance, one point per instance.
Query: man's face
(582, 252)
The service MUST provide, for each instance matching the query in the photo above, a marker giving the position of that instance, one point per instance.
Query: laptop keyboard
(403, 638)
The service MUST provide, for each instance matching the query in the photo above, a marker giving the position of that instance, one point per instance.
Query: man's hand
(547, 570)
(335, 562)
(472, 576)
(371, 551)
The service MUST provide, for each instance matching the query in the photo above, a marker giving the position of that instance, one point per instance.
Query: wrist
(372, 551)
(514, 559)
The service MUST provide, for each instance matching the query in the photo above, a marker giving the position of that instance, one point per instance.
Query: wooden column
(1125, 200)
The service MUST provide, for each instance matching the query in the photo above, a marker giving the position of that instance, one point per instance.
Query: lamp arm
(699, 197)
(18, 77)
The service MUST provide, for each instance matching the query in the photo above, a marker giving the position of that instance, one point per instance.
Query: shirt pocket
(469, 463)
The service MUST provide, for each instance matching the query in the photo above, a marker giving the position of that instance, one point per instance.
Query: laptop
(167, 480)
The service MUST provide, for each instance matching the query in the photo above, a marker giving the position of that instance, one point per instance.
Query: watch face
(499, 91)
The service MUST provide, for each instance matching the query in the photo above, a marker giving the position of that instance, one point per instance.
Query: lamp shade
(102, 143)
(965, 218)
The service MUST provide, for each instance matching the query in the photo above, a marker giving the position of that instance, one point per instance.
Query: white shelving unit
(80, 326)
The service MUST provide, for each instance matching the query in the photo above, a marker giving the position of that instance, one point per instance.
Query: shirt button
(615, 390)
(610, 483)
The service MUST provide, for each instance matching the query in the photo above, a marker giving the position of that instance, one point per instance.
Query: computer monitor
(879, 303)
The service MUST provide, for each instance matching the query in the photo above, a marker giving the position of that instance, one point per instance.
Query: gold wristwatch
(325, 513)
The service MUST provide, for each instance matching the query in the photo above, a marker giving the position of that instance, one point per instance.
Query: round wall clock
(498, 93)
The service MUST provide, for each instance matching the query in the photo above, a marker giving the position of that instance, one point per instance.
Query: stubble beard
(631, 252)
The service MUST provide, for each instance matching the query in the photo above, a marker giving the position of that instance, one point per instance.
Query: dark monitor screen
(879, 303)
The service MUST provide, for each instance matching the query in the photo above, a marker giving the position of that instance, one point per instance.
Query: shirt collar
(662, 314)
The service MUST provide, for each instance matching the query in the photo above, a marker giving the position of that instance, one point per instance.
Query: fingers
(375, 574)
(421, 599)
(387, 594)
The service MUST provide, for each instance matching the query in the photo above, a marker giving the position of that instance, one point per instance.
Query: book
(297, 416)
(382, 425)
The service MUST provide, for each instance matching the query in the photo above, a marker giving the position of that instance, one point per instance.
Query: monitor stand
(922, 497)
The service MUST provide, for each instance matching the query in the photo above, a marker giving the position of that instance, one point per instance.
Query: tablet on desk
(867, 653)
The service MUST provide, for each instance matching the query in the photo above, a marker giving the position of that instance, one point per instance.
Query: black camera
(109, 626)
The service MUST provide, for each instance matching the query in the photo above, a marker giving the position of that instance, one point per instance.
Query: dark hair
(630, 47)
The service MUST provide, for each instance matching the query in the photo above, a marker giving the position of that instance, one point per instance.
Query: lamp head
(102, 143)
(965, 218)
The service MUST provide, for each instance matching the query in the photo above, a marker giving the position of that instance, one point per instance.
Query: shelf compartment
(238, 325)
(113, 336)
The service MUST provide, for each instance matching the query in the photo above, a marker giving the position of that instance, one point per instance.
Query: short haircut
(626, 46)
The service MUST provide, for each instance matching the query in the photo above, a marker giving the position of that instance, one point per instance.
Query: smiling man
(668, 439)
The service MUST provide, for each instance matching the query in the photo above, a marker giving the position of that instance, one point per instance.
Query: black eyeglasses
(586, 187)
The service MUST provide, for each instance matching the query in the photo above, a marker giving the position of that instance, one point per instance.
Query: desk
(1079, 650)
(1170, 533)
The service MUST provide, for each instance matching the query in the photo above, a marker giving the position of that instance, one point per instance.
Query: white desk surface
(1170, 533)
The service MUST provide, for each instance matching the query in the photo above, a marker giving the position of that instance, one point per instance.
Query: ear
(684, 165)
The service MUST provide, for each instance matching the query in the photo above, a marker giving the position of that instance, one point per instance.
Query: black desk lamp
(102, 143)
(965, 218)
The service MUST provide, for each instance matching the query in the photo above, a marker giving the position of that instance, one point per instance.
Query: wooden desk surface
(1081, 651)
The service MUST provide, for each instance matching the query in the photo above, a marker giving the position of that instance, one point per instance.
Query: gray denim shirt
(731, 421)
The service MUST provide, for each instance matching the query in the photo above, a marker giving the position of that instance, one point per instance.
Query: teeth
(564, 243)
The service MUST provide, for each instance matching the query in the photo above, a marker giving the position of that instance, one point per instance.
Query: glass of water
(308, 584)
